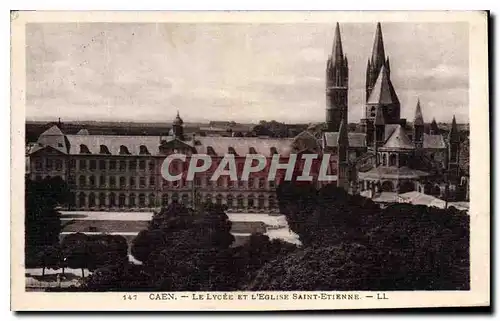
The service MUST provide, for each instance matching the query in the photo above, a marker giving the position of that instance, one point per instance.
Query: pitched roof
(355, 139)
(53, 137)
(399, 140)
(242, 145)
(434, 141)
(382, 90)
(389, 129)
(52, 131)
(419, 119)
(113, 143)
(418, 198)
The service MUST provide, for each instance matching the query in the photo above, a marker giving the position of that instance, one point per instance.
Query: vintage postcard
(249, 160)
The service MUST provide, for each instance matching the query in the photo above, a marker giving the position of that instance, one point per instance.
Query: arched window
(240, 202)
(112, 181)
(131, 200)
(92, 180)
(102, 199)
(372, 111)
(208, 198)
(132, 182)
(121, 200)
(102, 180)
(393, 159)
(112, 200)
(251, 183)
(185, 199)
(229, 200)
(152, 200)
(261, 182)
(91, 200)
(82, 200)
(175, 197)
(251, 201)
(142, 200)
(143, 150)
(218, 199)
(164, 200)
(261, 201)
(384, 159)
(122, 182)
(82, 180)
(387, 186)
(271, 201)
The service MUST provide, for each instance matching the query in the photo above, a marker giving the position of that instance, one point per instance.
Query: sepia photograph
(322, 159)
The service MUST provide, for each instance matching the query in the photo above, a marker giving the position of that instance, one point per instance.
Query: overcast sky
(240, 72)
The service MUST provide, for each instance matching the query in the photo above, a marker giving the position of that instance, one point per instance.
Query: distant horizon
(242, 71)
(197, 122)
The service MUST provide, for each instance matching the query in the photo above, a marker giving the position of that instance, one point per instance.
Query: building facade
(107, 172)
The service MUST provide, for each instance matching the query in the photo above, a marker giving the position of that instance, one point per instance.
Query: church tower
(337, 83)
(454, 151)
(418, 127)
(376, 61)
(178, 127)
(434, 129)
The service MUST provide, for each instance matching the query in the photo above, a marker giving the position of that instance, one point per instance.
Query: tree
(42, 220)
(146, 242)
(49, 257)
(75, 251)
(401, 247)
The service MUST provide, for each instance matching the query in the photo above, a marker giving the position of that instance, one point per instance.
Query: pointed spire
(379, 117)
(453, 136)
(178, 120)
(387, 65)
(434, 130)
(378, 52)
(337, 51)
(419, 119)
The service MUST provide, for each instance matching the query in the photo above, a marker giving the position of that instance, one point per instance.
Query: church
(387, 153)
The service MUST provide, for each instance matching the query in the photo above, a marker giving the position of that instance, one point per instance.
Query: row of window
(111, 181)
(94, 164)
(143, 200)
(50, 164)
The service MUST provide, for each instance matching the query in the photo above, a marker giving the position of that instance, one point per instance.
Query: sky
(242, 72)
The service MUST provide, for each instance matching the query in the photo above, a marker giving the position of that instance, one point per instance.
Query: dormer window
(231, 150)
(84, 149)
(252, 150)
(124, 150)
(274, 151)
(103, 149)
(143, 150)
(211, 151)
